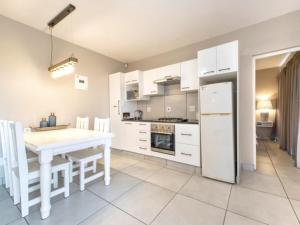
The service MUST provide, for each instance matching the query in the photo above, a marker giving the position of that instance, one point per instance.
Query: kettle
(138, 114)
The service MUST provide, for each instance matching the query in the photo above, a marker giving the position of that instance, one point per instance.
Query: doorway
(267, 70)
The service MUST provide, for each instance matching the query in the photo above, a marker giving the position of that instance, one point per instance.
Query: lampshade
(264, 105)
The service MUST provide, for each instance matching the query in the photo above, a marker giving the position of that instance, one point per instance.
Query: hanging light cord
(51, 41)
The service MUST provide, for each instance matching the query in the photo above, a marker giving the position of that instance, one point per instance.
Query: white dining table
(47, 144)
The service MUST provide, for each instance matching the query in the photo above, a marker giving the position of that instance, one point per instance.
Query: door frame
(254, 58)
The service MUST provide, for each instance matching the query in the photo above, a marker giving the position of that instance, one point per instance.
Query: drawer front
(144, 135)
(144, 127)
(143, 149)
(143, 142)
(187, 134)
(189, 154)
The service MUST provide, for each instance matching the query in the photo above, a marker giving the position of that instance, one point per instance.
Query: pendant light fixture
(66, 66)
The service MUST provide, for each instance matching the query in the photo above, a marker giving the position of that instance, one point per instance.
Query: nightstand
(264, 130)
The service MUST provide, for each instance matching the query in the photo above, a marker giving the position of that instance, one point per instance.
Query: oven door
(163, 142)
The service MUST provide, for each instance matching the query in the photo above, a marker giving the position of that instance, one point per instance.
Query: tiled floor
(147, 192)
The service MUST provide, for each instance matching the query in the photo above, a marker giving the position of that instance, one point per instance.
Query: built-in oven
(163, 138)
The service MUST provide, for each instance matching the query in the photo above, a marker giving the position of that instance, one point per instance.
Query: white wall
(276, 34)
(28, 93)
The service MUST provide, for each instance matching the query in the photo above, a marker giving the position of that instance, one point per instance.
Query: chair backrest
(3, 169)
(101, 125)
(7, 151)
(82, 123)
(19, 150)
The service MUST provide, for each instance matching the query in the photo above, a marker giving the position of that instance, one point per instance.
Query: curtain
(289, 105)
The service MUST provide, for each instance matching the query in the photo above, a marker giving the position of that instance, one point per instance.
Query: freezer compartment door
(216, 98)
(217, 147)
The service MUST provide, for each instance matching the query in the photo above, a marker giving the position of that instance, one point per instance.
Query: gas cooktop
(171, 120)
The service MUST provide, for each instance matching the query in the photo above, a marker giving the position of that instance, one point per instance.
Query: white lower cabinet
(189, 154)
(136, 137)
(187, 144)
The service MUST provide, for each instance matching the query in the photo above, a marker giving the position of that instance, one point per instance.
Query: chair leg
(94, 166)
(24, 198)
(71, 171)
(66, 182)
(55, 179)
(16, 186)
(81, 175)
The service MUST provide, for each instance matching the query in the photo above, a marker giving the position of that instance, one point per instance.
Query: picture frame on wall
(81, 82)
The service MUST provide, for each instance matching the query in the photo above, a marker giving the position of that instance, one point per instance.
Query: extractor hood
(167, 80)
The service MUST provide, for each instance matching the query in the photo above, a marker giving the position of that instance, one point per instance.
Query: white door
(189, 77)
(217, 147)
(148, 78)
(115, 108)
(227, 57)
(216, 98)
(207, 62)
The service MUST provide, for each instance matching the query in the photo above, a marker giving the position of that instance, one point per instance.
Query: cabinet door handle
(142, 140)
(128, 123)
(142, 132)
(133, 80)
(224, 69)
(184, 134)
(186, 154)
(185, 88)
(212, 71)
(153, 91)
(142, 148)
(143, 124)
(119, 107)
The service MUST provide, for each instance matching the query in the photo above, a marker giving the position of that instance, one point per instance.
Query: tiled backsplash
(173, 104)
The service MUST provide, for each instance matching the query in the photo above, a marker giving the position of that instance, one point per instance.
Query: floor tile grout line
(175, 194)
(111, 203)
(227, 205)
(252, 189)
(282, 183)
(250, 218)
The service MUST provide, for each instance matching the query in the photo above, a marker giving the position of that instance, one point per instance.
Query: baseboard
(248, 167)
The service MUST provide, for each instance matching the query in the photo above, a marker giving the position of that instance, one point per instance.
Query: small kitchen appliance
(138, 114)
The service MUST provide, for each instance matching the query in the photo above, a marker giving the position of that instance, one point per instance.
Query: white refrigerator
(217, 131)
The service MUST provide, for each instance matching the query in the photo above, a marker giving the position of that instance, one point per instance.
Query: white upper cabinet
(132, 77)
(150, 87)
(227, 57)
(189, 77)
(134, 86)
(218, 60)
(169, 71)
(207, 62)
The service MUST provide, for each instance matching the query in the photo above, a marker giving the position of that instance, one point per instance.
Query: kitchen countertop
(156, 121)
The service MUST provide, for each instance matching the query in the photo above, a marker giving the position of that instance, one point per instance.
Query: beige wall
(27, 92)
(267, 88)
(276, 34)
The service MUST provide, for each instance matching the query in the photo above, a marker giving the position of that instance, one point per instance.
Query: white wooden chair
(5, 146)
(86, 156)
(24, 172)
(82, 123)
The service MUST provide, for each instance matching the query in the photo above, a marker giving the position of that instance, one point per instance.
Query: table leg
(45, 158)
(107, 162)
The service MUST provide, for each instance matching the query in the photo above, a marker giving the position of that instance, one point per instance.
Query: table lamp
(264, 107)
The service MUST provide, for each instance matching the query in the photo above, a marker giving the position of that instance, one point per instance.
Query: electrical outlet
(169, 108)
(192, 108)
(148, 109)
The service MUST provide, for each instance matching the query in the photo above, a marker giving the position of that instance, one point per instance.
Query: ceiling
(273, 61)
(135, 29)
